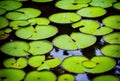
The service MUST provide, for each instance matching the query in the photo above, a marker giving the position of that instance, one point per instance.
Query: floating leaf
(89, 64)
(42, 1)
(15, 48)
(36, 61)
(39, 32)
(106, 78)
(111, 50)
(8, 30)
(50, 64)
(11, 74)
(40, 47)
(3, 22)
(117, 5)
(2, 11)
(13, 63)
(23, 14)
(10, 5)
(91, 12)
(40, 76)
(113, 38)
(66, 77)
(112, 21)
(64, 17)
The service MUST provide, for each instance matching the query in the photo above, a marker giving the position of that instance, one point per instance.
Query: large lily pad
(15, 48)
(106, 78)
(11, 74)
(64, 17)
(66, 77)
(13, 63)
(117, 5)
(2, 11)
(40, 47)
(91, 12)
(39, 32)
(23, 14)
(112, 38)
(10, 5)
(40, 76)
(42, 1)
(112, 21)
(3, 22)
(111, 50)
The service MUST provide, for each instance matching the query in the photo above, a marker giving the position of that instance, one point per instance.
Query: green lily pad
(74, 64)
(83, 40)
(23, 14)
(64, 17)
(111, 50)
(19, 23)
(39, 21)
(40, 47)
(8, 30)
(2, 11)
(36, 61)
(42, 1)
(3, 22)
(40, 76)
(65, 42)
(71, 5)
(15, 48)
(11, 74)
(39, 32)
(92, 12)
(112, 21)
(13, 63)
(112, 38)
(66, 77)
(50, 64)
(106, 78)
(89, 64)
(102, 3)
(117, 5)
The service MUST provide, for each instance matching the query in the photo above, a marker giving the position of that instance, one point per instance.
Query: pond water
(94, 50)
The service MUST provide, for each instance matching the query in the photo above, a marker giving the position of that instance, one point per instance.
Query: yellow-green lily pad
(2, 11)
(117, 5)
(3, 22)
(42, 1)
(66, 77)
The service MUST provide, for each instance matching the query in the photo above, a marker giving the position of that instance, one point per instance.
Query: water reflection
(82, 77)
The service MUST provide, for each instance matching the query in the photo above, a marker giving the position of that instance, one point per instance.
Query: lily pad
(15, 48)
(23, 14)
(40, 76)
(112, 38)
(89, 64)
(117, 5)
(42, 1)
(50, 64)
(39, 32)
(92, 12)
(40, 47)
(112, 21)
(66, 77)
(13, 63)
(111, 50)
(3, 22)
(11, 74)
(83, 40)
(39, 21)
(2, 11)
(74, 64)
(64, 17)
(106, 78)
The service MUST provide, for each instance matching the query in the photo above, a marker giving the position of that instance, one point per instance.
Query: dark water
(48, 9)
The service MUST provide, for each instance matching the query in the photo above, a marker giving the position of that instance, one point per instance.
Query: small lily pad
(36, 61)
(89, 64)
(40, 47)
(2, 11)
(66, 77)
(15, 48)
(23, 14)
(74, 64)
(3, 22)
(13, 63)
(42, 1)
(106, 78)
(92, 12)
(11, 74)
(112, 21)
(111, 50)
(10, 5)
(64, 17)
(112, 38)
(117, 5)
(40, 76)
(39, 32)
